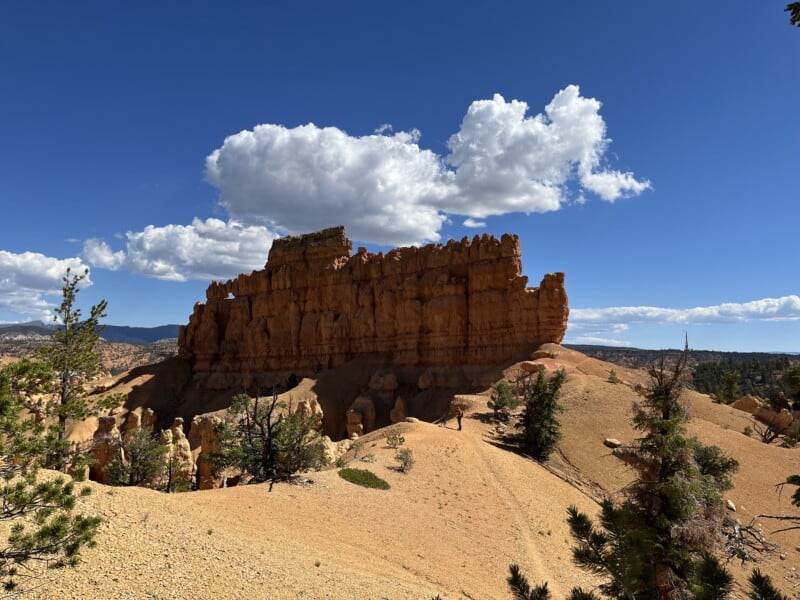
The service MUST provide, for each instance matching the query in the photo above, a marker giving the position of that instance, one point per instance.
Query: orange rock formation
(316, 305)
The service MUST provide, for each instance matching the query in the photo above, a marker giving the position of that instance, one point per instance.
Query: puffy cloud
(387, 189)
(786, 308)
(27, 278)
(598, 341)
(210, 249)
(384, 188)
(470, 222)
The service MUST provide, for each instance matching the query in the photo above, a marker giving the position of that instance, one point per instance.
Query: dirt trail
(451, 526)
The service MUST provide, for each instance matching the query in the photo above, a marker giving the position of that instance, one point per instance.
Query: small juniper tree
(40, 512)
(541, 427)
(503, 400)
(298, 442)
(267, 440)
(141, 459)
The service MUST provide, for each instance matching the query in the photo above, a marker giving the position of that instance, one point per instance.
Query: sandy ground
(450, 526)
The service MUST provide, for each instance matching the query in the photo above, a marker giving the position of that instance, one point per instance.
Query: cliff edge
(316, 305)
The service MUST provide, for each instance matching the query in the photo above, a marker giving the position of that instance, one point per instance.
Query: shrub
(142, 459)
(503, 400)
(358, 446)
(364, 478)
(612, 376)
(406, 459)
(395, 440)
(267, 440)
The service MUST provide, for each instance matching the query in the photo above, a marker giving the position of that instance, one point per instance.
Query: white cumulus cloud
(470, 222)
(785, 308)
(210, 249)
(386, 189)
(26, 280)
(599, 341)
(383, 188)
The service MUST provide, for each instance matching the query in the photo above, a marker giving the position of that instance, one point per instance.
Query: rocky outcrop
(777, 420)
(138, 418)
(398, 412)
(749, 404)
(204, 439)
(105, 447)
(180, 462)
(361, 416)
(317, 306)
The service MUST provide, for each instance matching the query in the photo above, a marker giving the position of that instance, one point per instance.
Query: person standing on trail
(459, 415)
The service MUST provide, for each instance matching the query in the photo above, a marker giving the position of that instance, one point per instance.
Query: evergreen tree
(141, 459)
(542, 429)
(791, 383)
(730, 387)
(267, 440)
(793, 8)
(503, 400)
(761, 587)
(73, 358)
(41, 512)
(522, 590)
(657, 543)
(714, 582)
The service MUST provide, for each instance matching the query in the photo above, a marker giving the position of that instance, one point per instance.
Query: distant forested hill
(747, 373)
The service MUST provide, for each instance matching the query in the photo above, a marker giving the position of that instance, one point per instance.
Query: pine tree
(43, 526)
(267, 440)
(522, 590)
(656, 544)
(73, 358)
(542, 429)
(761, 587)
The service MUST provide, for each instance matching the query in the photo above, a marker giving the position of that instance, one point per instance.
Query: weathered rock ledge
(316, 306)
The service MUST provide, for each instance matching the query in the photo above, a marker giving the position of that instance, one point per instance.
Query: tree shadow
(486, 418)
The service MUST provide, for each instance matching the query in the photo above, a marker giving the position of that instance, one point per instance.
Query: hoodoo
(316, 305)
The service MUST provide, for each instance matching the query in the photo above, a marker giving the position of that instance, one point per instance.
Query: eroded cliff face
(317, 305)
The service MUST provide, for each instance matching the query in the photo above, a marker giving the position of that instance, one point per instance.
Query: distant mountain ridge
(139, 335)
(638, 358)
(111, 333)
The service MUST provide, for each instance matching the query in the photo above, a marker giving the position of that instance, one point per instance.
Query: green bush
(503, 400)
(364, 478)
(406, 459)
(142, 460)
(395, 440)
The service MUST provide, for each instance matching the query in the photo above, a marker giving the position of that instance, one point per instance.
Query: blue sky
(651, 152)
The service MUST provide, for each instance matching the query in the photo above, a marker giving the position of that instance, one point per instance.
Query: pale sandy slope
(450, 526)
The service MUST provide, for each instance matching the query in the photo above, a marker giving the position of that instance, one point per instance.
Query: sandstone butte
(316, 305)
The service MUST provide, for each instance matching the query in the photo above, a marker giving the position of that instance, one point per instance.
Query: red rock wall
(317, 306)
